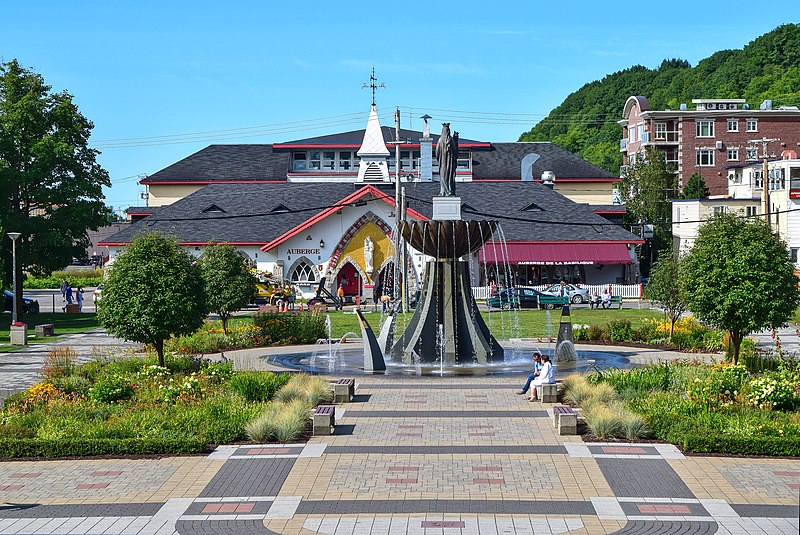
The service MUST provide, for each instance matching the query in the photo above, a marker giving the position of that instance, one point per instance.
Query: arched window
(303, 274)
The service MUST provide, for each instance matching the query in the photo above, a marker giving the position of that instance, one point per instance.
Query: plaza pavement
(411, 456)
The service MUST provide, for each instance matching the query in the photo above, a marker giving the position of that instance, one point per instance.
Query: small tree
(738, 277)
(154, 290)
(229, 284)
(664, 287)
(695, 188)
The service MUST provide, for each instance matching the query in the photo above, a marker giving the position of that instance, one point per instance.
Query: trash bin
(19, 334)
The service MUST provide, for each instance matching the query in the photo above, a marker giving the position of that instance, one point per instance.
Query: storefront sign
(570, 263)
(302, 251)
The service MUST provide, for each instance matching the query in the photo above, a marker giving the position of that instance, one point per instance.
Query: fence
(626, 291)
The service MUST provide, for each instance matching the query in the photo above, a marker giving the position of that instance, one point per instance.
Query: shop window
(303, 274)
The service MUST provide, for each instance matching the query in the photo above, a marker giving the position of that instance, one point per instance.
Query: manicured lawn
(505, 324)
(64, 324)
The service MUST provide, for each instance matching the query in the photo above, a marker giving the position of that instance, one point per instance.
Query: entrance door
(349, 279)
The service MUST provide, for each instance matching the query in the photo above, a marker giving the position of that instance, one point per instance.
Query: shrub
(263, 428)
(619, 330)
(33, 447)
(721, 386)
(110, 389)
(184, 389)
(59, 362)
(650, 377)
(258, 386)
(90, 370)
(577, 391)
(292, 421)
(595, 333)
(295, 388)
(580, 332)
(73, 385)
(602, 421)
(712, 340)
(772, 446)
(303, 328)
(632, 425)
(85, 278)
(318, 391)
(773, 391)
(644, 332)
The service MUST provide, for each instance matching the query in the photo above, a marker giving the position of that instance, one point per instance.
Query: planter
(19, 335)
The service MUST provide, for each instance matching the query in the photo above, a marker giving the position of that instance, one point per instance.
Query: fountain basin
(447, 239)
(350, 361)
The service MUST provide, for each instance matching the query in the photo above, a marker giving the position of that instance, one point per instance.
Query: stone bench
(547, 393)
(45, 329)
(323, 419)
(344, 390)
(565, 420)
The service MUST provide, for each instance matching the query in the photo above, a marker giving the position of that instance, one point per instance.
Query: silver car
(575, 294)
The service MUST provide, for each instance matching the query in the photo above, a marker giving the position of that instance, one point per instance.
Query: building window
(677, 216)
(717, 210)
(793, 254)
(752, 154)
(303, 274)
(777, 179)
(464, 162)
(733, 125)
(640, 132)
(661, 131)
(705, 128)
(705, 158)
(733, 155)
(631, 134)
(751, 211)
(752, 125)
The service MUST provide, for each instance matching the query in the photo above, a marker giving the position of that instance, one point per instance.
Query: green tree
(50, 181)
(738, 277)
(229, 283)
(664, 287)
(695, 188)
(154, 290)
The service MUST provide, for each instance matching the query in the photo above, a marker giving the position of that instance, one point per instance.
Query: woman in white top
(546, 376)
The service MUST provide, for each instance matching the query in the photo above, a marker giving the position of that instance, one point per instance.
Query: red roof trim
(610, 211)
(206, 182)
(368, 189)
(476, 145)
(559, 179)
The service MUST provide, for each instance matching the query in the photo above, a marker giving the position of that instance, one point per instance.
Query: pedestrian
(79, 298)
(292, 297)
(63, 287)
(385, 299)
(546, 376)
(563, 288)
(340, 298)
(537, 368)
(67, 297)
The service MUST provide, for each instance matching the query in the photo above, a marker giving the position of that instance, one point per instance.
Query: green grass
(532, 323)
(64, 324)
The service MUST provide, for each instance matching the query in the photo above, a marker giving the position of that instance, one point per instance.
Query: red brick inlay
(26, 474)
(402, 480)
(83, 486)
(484, 481)
(486, 434)
(267, 451)
(664, 508)
(409, 427)
(408, 435)
(487, 468)
(622, 449)
(404, 469)
(11, 487)
(228, 507)
(443, 524)
(794, 485)
(475, 396)
(112, 473)
(787, 474)
(417, 401)
(480, 426)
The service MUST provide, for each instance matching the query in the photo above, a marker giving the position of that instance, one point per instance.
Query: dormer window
(280, 209)
(214, 209)
(326, 160)
(532, 207)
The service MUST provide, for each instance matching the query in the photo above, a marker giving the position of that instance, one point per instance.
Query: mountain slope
(585, 123)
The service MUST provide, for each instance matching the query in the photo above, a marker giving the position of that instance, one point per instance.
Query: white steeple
(373, 152)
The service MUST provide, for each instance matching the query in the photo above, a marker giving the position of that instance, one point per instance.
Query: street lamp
(14, 236)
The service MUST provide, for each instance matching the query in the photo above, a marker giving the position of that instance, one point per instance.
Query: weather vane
(373, 85)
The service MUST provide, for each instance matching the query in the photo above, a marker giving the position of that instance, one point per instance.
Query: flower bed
(688, 334)
(719, 408)
(132, 406)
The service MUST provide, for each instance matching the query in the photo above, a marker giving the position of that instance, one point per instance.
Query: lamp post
(14, 236)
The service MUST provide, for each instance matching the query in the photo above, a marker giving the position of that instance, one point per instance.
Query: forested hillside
(586, 122)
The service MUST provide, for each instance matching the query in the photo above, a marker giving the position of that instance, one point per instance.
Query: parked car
(97, 294)
(29, 306)
(577, 295)
(514, 298)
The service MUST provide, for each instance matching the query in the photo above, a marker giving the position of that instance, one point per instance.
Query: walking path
(411, 456)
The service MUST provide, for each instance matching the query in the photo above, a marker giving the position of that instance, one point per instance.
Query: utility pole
(399, 215)
(765, 174)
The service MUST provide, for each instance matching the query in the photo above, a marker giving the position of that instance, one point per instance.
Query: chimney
(426, 152)
(548, 179)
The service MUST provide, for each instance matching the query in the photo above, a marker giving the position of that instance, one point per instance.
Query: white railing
(626, 291)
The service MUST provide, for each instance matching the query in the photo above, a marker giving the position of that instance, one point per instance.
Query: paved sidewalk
(411, 456)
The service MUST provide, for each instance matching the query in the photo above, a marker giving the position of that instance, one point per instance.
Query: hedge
(35, 447)
(773, 446)
(51, 283)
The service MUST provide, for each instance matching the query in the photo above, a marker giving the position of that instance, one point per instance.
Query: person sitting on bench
(606, 299)
(594, 302)
(546, 376)
(537, 368)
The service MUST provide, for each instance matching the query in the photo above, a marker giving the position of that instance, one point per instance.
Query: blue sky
(147, 69)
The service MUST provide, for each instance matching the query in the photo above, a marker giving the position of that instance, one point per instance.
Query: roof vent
(532, 207)
(526, 171)
(214, 209)
(280, 209)
(766, 105)
(683, 107)
(467, 208)
(548, 179)
(745, 106)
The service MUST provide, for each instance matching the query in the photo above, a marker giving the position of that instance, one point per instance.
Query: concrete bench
(547, 393)
(45, 329)
(324, 418)
(344, 390)
(565, 420)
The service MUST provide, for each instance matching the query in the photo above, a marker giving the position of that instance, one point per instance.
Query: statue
(369, 248)
(447, 154)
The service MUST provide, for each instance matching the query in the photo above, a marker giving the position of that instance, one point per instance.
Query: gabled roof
(503, 162)
(249, 221)
(225, 163)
